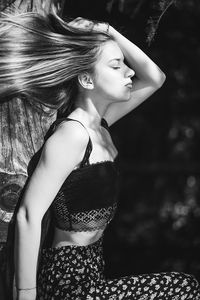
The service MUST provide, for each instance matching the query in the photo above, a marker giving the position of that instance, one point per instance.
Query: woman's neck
(91, 113)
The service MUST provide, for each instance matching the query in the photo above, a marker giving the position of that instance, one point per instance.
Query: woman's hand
(86, 24)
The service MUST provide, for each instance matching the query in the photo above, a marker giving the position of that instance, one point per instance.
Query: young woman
(80, 68)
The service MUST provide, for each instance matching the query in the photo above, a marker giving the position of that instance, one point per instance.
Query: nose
(130, 73)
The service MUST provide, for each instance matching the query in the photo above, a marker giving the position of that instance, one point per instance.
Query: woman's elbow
(26, 218)
(21, 216)
(160, 80)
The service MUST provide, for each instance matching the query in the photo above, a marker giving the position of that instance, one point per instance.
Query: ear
(86, 81)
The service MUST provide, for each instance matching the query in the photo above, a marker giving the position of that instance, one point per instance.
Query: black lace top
(87, 200)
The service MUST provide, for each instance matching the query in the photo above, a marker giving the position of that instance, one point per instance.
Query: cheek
(108, 81)
(113, 91)
(111, 85)
(108, 87)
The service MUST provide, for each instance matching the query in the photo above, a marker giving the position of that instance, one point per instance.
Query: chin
(121, 98)
(126, 98)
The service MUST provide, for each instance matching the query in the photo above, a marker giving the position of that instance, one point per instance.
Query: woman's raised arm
(148, 77)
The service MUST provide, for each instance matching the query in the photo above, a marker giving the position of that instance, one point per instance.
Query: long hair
(42, 56)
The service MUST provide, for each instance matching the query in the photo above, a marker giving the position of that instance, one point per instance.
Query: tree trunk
(22, 130)
(32, 5)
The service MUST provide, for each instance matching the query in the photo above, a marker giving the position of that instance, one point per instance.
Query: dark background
(156, 227)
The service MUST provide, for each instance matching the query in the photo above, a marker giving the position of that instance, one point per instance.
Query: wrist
(26, 294)
(112, 31)
(26, 289)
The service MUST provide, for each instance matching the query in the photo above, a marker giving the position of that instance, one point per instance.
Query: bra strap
(105, 124)
(88, 150)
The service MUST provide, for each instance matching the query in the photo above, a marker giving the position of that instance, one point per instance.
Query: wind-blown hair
(42, 56)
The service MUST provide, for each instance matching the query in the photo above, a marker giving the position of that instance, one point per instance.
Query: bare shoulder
(67, 143)
(71, 131)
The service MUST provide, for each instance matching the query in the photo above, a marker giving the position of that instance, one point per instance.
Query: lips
(129, 85)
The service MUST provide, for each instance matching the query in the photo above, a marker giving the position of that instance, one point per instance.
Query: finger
(82, 23)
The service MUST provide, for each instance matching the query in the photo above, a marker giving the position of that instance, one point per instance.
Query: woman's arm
(148, 78)
(62, 152)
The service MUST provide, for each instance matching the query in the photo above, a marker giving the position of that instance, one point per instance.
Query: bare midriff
(81, 238)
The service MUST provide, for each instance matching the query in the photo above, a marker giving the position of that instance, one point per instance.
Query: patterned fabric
(87, 220)
(94, 219)
(77, 273)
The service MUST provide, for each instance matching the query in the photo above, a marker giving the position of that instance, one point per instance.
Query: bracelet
(27, 289)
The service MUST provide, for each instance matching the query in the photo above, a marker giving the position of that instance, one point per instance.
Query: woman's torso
(100, 159)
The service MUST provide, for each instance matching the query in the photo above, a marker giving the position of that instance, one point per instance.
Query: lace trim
(95, 163)
(93, 219)
(84, 221)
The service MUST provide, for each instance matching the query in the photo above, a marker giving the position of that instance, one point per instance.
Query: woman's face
(112, 79)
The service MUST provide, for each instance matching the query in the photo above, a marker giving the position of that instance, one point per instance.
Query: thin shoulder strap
(104, 124)
(88, 150)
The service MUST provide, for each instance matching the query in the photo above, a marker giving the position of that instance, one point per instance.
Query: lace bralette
(87, 200)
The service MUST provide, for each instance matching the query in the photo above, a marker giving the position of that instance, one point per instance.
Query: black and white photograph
(99, 150)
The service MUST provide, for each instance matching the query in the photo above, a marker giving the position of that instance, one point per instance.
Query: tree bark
(22, 130)
(32, 5)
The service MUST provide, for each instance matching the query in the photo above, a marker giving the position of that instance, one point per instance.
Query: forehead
(110, 51)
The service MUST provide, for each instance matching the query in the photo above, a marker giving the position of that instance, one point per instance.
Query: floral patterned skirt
(77, 273)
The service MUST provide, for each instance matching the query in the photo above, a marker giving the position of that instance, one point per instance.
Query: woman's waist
(77, 238)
